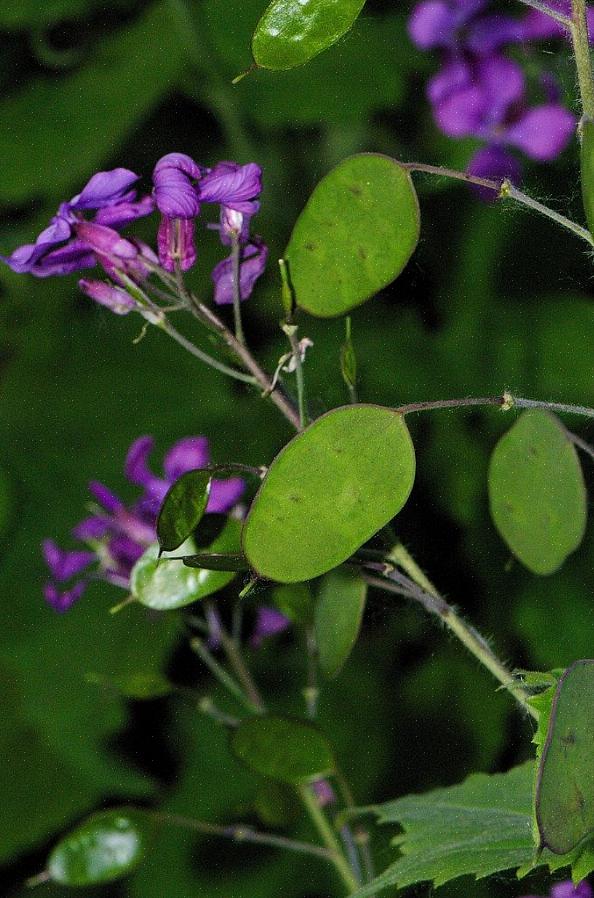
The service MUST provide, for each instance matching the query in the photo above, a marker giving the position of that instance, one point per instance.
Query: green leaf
(355, 235)
(211, 561)
(537, 493)
(293, 31)
(165, 584)
(141, 685)
(339, 612)
(587, 160)
(295, 601)
(276, 804)
(328, 491)
(105, 847)
(565, 783)
(183, 508)
(480, 826)
(291, 751)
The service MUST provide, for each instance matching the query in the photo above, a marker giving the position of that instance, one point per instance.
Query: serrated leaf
(537, 493)
(338, 616)
(104, 848)
(565, 782)
(183, 508)
(165, 584)
(358, 230)
(293, 31)
(290, 751)
(329, 491)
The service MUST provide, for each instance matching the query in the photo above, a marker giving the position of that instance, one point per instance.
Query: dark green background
(491, 299)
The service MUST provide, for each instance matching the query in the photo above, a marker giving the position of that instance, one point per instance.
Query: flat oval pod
(280, 748)
(565, 782)
(166, 584)
(182, 508)
(357, 232)
(104, 848)
(587, 161)
(536, 492)
(338, 616)
(293, 31)
(329, 491)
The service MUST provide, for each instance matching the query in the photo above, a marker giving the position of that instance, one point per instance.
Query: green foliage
(290, 751)
(182, 509)
(537, 492)
(339, 612)
(357, 232)
(104, 848)
(165, 584)
(587, 170)
(328, 491)
(295, 601)
(565, 782)
(291, 32)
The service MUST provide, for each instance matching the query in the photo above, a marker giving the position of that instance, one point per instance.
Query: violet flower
(116, 535)
(567, 889)
(252, 265)
(176, 196)
(269, 622)
(60, 249)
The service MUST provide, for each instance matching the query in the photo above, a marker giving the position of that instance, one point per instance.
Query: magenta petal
(73, 256)
(502, 83)
(120, 214)
(462, 113)
(105, 497)
(491, 32)
(175, 241)
(252, 266)
(136, 465)
(104, 189)
(453, 76)
(269, 622)
(543, 132)
(224, 494)
(495, 164)
(106, 241)
(25, 257)
(63, 564)
(92, 528)
(233, 185)
(62, 601)
(175, 195)
(186, 455)
(567, 889)
(116, 300)
(432, 24)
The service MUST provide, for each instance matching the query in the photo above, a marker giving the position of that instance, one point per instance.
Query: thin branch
(581, 52)
(505, 401)
(504, 190)
(581, 444)
(240, 669)
(219, 672)
(549, 11)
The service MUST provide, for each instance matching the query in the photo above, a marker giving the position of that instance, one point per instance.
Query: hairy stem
(240, 669)
(549, 11)
(581, 52)
(504, 190)
(236, 266)
(417, 586)
(203, 356)
(219, 672)
(291, 332)
(242, 834)
(328, 837)
(505, 401)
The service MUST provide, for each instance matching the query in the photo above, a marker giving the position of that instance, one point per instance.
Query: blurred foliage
(491, 299)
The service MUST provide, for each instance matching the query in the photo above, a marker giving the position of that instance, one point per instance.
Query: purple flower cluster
(116, 535)
(566, 889)
(481, 92)
(73, 241)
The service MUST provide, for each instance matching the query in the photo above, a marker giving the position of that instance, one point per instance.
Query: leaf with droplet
(165, 584)
(537, 493)
(280, 748)
(293, 31)
(182, 508)
(338, 616)
(565, 782)
(587, 160)
(355, 235)
(329, 491)
(104, 848)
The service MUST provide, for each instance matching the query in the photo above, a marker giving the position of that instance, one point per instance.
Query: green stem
(242, 834)
(219, 672)
(235, 277)
(241, 671)
(549, 11)
(328, 837)
(505, 401)
(581, 51)
(504, 190)
(203, 356)
(291, 332)
(422, 590)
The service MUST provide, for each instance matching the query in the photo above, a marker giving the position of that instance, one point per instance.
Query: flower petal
(123, 213)
(454, 75)
(104, 189)
(496, 164)
(108, 500)
(543, 132)
(269, 622)
(92, 528)
(224, 494)
(233, 185)
(175, 240)
(65, 564)
(175, 195)
(252, 266)
(136, 466)
(62, 601)
(113, 298)
(186, 455)
(432, 24)
(106, 241)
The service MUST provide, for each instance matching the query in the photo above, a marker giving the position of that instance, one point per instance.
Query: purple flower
(175, 194)
(234, 186)
(252, 265)
(567, 889)
(269, 622)
(59, 249)
(175, 240)
(116, 535)
(115, 299)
